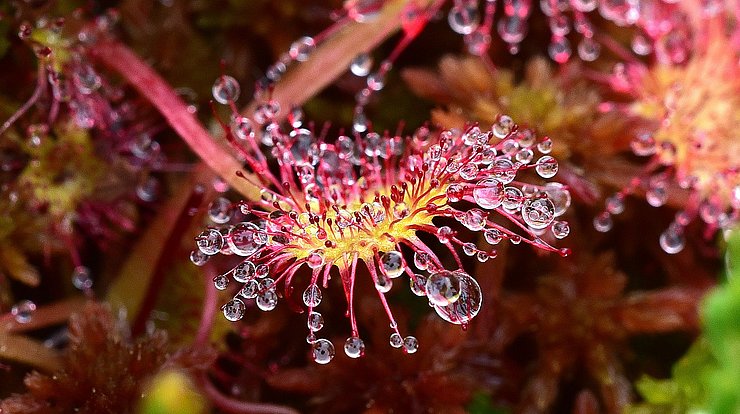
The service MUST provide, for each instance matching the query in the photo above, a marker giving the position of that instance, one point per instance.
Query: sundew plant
(368, 205)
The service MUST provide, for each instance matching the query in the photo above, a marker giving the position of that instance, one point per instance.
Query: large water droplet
(443, 288)
(267, 300)
(220, 282)
(489, 193)
(468, 304)
(243, 239)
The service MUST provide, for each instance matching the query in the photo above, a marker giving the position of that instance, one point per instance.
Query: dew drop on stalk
(538, 213)
(392, 263)
(198, 258)
(418, 285)
(547, 167)
(210, 241)
(410, 344)
(488, 193)
(396, 340)
(225, 89)
(81, 278)
(220, 210)
(267, 300)
(361, 65)
(244, 271)
(312, 296)
(23, 311)
(443, 288)
(672, 240)
(322, 351)
(603, 222)
(234, 310)
(220, 282)
(315, 321)
(467, 305)
(250, 289)
(354, 347)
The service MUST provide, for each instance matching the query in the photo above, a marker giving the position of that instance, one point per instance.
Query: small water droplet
(322, 351)
(354, 347)
(312, 296)
(396, 340)
(234, 310)
(81, 278)
(226, 89)
(410, 344)
(23, 311)
(392, 263)
(361, 64)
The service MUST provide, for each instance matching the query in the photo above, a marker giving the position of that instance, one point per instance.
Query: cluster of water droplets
(330, 202)
(662, 28)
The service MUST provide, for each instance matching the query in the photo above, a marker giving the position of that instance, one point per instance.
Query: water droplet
(410, 344)
(503, 126)
(489, 193)
(234, 310)
(418, 285)
(225, 89)
(220, 282)
(376, 81)
(198, 258)
(315, 321)
(242, 127)
(243, 239)
(474, 219)
(464, 18)
(315, 259)
(302, 48)
(455, 192)
(559, 49)
(401, 210)
(560, 229)
(422, 260)
(513, 199)
(603, 222)
(560, 197)
(615, 204)
(220, 210)
(209, 241)
(443, 288)
(86, 80)
(322, 351)
(545, 146)
(312, 296)
(267, 300)
(643, 145)
(392, 263)
(672, 240)
(657, 195)
(538, 213)
(250, 289)
(361, 64)
(444, 234)
(148, 190)
(396, 340)
(641, 45)
(504, 170)
(546, 167)
(493, 236)
(469, 249)
(244, 271)
(354, 347)
(23, 311)
(81, 278)
(467, 305)
(383, 283)
(588, 49)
